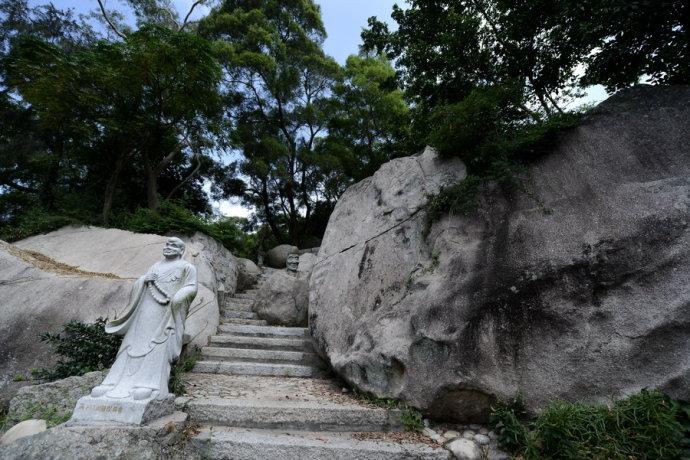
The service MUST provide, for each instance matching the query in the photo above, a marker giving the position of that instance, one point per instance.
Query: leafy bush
(496, 155)
(645, 425)
(83, 348)
(174, 218)
(35, 221)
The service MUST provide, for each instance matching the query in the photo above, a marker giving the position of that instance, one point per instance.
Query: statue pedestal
(91, 411)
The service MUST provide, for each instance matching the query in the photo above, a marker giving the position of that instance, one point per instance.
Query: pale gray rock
(572, 284)
(22, 430)
(306, 264)
(277, 257)
(55, 398)
(83, 273)
(464, 449)
(162, 438)
(482, 439)
(433, 435)
(283, 298)
(248, 274)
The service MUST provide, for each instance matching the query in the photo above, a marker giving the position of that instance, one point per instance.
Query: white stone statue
(153, 329)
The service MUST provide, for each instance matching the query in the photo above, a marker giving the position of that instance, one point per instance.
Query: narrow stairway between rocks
(261, 392)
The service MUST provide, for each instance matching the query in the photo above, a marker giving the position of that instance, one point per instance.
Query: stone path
(259, 392)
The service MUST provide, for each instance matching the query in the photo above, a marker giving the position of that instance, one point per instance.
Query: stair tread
(287, 444)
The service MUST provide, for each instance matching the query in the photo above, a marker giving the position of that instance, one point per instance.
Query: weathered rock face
(248, 274)
(84, 273)
(283, 298)
(277, 257)
(57, 398)
(573, 284)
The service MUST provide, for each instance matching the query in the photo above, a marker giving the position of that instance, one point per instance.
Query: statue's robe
(153, 331)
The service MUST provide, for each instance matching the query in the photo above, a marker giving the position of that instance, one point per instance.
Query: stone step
(257, 368)
(238, 304)
(252, 322)
(238, 314)
(264, 331)
(262, 343)
(262, 413)
(251, 294)
(250, 444)
(264, 356)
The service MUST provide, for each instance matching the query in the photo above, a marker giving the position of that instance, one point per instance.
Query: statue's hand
(150, 277)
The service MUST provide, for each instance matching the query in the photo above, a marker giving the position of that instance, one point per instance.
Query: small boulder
(23, 429)
(277, 257)
(464, 449)
(247, 275)
(283, 298)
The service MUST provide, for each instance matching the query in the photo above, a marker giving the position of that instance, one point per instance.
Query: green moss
(645, 425)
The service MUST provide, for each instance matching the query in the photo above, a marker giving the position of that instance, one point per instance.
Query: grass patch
(188, 358)
(411, 418)
(645, 425)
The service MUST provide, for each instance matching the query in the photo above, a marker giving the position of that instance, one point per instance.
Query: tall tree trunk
(111, 187)
(152, 187)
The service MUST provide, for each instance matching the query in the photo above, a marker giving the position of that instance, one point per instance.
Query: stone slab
(257, 368)
(90, 410)
(216, 442)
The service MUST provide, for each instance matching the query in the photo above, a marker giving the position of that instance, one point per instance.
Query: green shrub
(645, 425)
(34, 222)
(491, 151)
(82, 348)
(188, 358)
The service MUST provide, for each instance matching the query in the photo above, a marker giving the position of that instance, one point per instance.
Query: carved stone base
(92, 411)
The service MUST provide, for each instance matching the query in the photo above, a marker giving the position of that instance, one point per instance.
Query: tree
(369, 123)
(279, 77)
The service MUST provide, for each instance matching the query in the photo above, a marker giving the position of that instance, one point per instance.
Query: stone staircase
(260, 392)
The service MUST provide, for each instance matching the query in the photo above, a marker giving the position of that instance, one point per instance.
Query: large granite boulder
(83, 273)
(277, 257)
(283, 298)
(573, 283)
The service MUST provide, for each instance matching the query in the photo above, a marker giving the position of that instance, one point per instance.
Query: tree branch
(191, 174)
(191, 10)
(110, 23)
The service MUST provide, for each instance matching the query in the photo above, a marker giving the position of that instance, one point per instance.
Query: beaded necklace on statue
(156, 292)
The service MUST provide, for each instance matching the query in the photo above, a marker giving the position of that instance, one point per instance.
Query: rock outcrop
(83, 273)
(247, 274)
(56, 399)
(283, 298)
(277, 257)
(573, 283)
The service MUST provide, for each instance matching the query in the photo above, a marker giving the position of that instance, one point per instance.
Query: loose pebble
(437, 438)
(483, 431)
(468, 434)
(492, 435)
(474, 427)
(451, 434)
(482, 439)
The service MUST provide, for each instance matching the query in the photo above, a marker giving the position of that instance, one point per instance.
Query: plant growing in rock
(186, 362)
(82, 347)
(644, 425)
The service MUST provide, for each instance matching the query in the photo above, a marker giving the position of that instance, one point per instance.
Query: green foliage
(185, 363)
(411, 418)
(683, 417)
(48, 412)
(33, 222)
(173, 218)
(644, 425)
(82, 348)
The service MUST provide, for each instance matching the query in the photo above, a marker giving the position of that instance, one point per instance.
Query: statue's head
(292, 262)
(174, 248)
